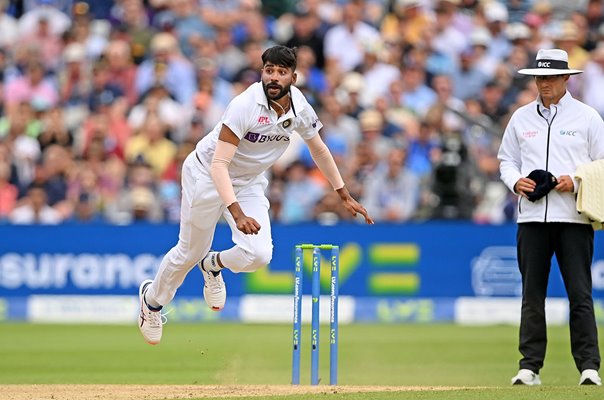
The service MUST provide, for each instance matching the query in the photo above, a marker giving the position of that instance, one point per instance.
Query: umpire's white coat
(573, 136)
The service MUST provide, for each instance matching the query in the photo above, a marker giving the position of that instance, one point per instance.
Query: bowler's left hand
(353, 206)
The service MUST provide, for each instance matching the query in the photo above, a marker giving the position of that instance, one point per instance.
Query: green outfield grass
(235, 354)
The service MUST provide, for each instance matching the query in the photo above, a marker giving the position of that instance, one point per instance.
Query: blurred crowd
(102, 100)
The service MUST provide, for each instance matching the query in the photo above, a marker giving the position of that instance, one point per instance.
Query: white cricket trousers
(201, 209)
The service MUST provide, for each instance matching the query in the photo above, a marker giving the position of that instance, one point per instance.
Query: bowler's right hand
(248, 225)
(245, 224)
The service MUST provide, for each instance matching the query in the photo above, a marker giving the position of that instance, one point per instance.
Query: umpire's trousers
(573, 246)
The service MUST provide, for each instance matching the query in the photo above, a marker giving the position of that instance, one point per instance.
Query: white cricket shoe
(149, 322)
(526, 377)
(214, 289)
(590, 377)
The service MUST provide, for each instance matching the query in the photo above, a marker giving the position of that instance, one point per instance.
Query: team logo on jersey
(287, 123)
(252, 137)
(258, 138)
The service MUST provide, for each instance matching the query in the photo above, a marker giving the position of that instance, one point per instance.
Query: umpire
(543, 144)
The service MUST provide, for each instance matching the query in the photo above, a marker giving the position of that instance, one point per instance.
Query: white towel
(590, 196)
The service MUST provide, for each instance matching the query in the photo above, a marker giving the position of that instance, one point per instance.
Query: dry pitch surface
(152, 392)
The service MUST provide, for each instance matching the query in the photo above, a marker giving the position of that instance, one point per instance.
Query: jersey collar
(566, 99)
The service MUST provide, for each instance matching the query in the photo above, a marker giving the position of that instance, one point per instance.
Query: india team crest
(287, 123)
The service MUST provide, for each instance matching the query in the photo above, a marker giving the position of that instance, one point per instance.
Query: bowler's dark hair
(280, 55)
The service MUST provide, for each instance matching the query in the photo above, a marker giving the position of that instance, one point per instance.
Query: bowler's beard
(282, 92)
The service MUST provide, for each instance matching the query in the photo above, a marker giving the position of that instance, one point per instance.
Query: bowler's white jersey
(264, 136)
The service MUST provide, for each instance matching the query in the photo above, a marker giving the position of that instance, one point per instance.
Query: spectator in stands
(594, 15)
(359, 166)
(519, 34)
(399, 123)
(132, 23)
(57, 20)
(377, 74)
(103, 90)
(594, 79)
(372, 132)
(255, 28)
(468, 79)
(8, 26)
(406, 21)
(169, 67)
(311, 79)
(349, 93)
(567, 38)
(24, 149)
(85, 181)
(480, 38)
(137, 200)
(391, 191)
(54, 131)
(250, 72)
(8, 191)
(23, 120)
(448, 39)
(42, 36)
(491, 102)
(170, 184)
(189, 26)
(338, 125)
(121, 70)
(229, 57)
(417, 95)
(421, 151)
(90, 33)
(344, 42)
(306, 32)
(53, 173)
(75, 83)
(33, 85)
(107, 127)
(158, 102)
(224, 14)
(85, 210)
(451, 107)
(300, 194)
(208, 77)
(496, 18)
(151, 145)
(34, 209)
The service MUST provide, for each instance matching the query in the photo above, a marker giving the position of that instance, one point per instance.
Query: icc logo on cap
(544, 64)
